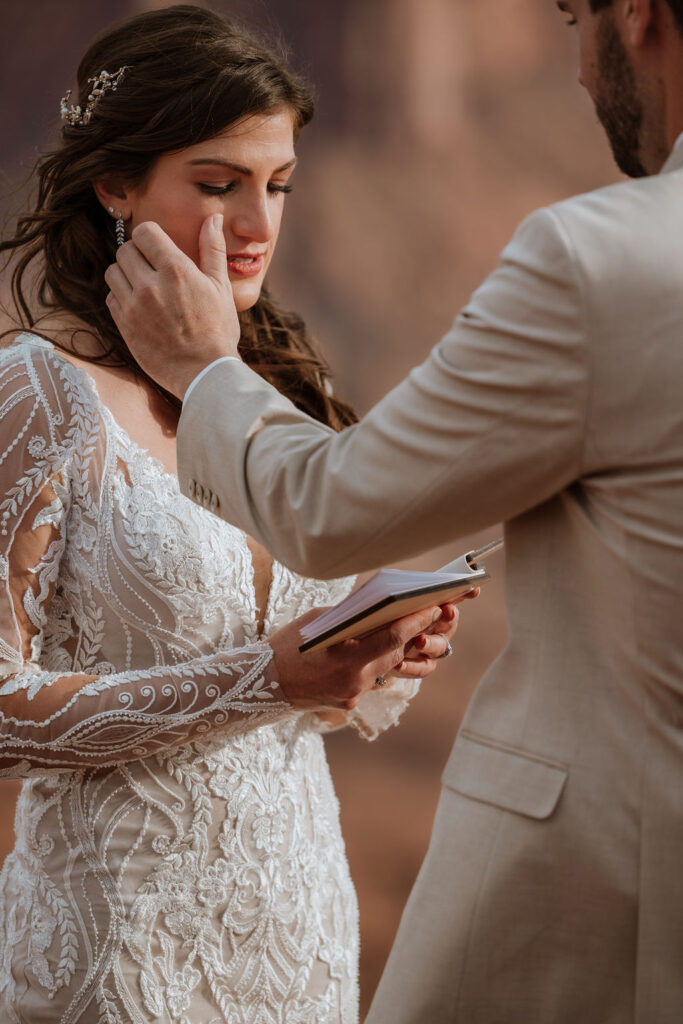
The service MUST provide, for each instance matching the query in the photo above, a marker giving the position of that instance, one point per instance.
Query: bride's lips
(245, 264)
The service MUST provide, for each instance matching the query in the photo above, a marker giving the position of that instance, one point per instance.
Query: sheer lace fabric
(178, 854)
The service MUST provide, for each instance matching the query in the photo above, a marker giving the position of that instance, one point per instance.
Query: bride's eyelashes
(222, 190)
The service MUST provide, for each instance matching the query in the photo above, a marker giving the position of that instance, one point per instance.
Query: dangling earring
(119, 227)
(120, 231)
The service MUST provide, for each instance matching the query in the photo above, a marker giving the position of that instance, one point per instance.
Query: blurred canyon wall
(441, 124)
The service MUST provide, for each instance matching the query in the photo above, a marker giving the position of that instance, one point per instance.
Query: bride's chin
(244, 296)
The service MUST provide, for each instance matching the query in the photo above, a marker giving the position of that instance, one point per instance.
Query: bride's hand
(434, 643)
(339, 676)
(175, 317)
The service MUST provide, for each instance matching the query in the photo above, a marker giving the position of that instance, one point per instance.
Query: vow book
(392, 593)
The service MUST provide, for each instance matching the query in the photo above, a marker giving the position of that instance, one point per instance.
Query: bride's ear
(114, 197)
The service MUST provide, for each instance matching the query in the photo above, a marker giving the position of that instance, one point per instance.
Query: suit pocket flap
(511, 779)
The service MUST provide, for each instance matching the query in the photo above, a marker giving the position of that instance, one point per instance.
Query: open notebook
(392, 593)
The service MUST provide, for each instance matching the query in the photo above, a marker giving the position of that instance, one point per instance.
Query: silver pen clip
(480, 553)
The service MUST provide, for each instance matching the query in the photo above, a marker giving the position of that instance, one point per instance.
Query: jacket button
(191, 488)
(198, 493)
(206, 497)
(214, 504)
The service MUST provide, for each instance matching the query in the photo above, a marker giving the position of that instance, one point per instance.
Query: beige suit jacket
(552, 891)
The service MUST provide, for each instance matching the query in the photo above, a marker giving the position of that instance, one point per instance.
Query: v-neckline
(267, 611)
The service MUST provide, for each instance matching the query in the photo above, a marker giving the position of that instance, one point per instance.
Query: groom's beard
(617, 103)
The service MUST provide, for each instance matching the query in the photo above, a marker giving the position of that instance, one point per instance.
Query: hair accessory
(120, 230)
(101, 84)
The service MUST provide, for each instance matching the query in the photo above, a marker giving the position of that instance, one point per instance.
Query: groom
(552, 891)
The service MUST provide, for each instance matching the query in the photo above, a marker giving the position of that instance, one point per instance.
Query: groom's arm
(489, 426)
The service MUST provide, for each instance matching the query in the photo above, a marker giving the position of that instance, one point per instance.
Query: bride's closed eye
(221, 190)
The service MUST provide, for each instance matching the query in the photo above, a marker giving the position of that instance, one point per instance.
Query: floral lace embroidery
(178, 856)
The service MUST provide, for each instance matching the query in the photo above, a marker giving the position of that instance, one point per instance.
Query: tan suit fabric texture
(552, 891)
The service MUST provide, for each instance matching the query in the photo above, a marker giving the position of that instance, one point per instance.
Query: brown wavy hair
(190, 74)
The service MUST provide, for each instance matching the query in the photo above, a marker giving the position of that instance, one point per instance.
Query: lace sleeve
(67, 720)
(377, 711)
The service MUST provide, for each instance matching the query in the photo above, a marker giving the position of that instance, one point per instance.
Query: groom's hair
(675, 5)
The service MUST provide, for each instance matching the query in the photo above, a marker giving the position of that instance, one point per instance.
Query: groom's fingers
(133, 263)
(156, 246)
(114, 307)
(117, 282)
(212, 255)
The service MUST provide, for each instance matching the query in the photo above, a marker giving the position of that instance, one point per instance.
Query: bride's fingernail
(437, 615)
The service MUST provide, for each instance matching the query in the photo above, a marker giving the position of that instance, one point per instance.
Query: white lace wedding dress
(178, 854)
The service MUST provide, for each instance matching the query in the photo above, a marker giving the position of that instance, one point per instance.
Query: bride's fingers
(386, 643)
(446, 625)
(415, 669)
(428, 645)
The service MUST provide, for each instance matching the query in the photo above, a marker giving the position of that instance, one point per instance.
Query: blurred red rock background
(441, 124)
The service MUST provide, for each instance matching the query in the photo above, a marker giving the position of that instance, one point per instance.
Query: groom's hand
(175, 317)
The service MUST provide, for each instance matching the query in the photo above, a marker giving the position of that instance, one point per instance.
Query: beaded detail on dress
(178, 857)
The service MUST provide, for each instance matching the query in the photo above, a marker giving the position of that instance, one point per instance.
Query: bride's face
(243, 173)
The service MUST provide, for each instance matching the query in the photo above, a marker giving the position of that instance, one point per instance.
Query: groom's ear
(638, 19)
(114, 196)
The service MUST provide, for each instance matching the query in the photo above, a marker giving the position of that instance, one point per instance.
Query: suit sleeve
(492, 424)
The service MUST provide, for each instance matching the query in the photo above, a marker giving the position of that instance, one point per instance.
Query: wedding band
(380, 681)
(447, 653)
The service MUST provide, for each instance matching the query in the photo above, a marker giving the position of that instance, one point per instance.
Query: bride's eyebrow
(206, 160)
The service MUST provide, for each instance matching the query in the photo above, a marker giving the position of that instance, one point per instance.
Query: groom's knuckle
(146, 291)
(173, 270)
(143, 232)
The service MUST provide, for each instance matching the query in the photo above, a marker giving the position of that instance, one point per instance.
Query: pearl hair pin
(101, 84)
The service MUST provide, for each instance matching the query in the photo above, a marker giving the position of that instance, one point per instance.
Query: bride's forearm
(69, 721)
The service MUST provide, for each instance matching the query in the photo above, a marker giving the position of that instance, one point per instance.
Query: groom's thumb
(212, 255)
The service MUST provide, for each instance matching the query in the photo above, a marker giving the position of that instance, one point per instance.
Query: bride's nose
(253, 221)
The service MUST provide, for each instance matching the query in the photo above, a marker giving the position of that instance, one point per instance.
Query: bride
(178, 854)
